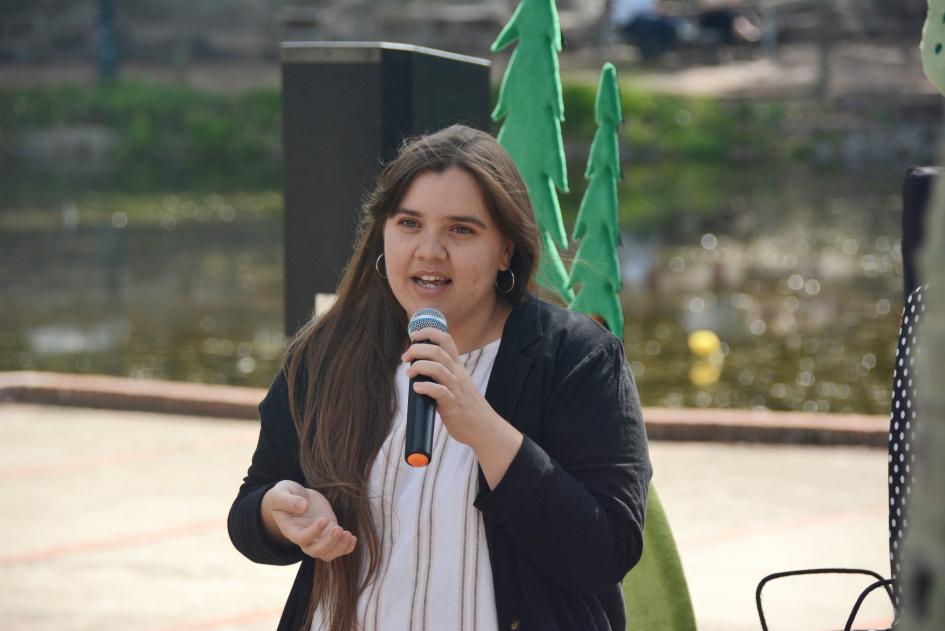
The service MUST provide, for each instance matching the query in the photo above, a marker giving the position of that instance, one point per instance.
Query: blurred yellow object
(704, 342)
(703, 373)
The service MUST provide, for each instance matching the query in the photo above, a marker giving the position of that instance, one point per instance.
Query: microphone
(421, 409)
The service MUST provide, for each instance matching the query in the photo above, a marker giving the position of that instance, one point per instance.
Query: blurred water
(796, 273)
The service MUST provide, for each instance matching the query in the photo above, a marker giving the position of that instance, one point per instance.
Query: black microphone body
(421, 409)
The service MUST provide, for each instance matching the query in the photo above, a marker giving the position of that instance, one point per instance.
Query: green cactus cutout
(656, 591)
(596, 268)
(933, 44)
(531, 108)
(552, 274)
(596, 275)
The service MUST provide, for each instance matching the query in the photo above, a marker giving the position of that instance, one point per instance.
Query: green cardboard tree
(531, 109)
(655, 591)
(596, 268)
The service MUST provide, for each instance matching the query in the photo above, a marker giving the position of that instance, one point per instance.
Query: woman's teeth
(431, 281)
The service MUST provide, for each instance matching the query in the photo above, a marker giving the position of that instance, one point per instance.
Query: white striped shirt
(434, 571)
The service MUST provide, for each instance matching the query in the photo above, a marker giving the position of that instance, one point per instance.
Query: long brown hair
(344, 361)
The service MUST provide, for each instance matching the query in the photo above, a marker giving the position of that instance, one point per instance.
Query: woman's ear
(508, 249)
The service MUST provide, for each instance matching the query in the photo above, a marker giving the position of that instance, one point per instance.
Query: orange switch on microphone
(418, 460)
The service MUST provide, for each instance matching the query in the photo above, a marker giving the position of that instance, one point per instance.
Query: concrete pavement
(115, 520)
(187, 399)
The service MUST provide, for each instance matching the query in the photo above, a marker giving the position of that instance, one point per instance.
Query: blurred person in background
(648, 26)
(731, 22)
(642, 23)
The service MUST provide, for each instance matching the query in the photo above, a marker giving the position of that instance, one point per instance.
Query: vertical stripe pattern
(434, 571)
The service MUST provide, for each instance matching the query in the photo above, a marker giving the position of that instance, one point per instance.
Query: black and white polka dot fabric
(902, 422)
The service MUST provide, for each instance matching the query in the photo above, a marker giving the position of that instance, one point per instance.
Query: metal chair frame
(880, 582)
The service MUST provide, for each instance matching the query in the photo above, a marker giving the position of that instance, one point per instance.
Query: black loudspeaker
(916, 194)
(346, 108)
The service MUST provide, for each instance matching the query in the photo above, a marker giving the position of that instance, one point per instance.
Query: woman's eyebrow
(460, 218)
(467, 219)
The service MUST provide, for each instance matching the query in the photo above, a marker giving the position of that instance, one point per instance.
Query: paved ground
(115, 521)
(855, 68)
(861, 68)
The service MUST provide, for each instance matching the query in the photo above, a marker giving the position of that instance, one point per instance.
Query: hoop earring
(377, 266)
(511, 285)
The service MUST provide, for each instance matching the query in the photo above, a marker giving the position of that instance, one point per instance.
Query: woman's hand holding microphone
(295, 514)
(465, 412)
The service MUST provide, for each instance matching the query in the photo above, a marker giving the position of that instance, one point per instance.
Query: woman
(531, 511)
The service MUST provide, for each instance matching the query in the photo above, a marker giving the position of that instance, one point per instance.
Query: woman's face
(442, 250)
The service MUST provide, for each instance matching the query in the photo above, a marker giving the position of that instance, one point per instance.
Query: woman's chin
(417, 297)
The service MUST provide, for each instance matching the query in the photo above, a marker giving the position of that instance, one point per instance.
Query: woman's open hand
(305, 518)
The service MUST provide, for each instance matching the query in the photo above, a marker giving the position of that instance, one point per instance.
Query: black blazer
(565, 523)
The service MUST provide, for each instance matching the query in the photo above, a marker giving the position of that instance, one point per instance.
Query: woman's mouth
(430, 281)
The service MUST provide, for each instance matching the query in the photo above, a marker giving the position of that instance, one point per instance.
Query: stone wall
(172, 31)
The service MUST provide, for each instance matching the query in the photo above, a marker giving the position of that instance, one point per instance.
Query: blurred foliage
(177, 130)
(164, 132)
(179, 138)
(701, 192)
(696, 129)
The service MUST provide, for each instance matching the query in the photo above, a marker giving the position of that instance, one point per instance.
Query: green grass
(693, 129)
(164, 133)
(177, 130)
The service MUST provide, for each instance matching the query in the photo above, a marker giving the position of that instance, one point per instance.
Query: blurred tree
(923, 555)
(595, 273)
(531, 110)
(933, 44)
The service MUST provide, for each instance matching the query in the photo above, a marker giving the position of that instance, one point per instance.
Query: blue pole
(107, 44)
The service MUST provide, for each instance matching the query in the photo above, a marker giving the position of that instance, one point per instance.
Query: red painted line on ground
(123, 541)
(246, 617)
(740, 534)
(115, 458)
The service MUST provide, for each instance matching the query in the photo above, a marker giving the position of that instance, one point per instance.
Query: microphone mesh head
(427, 318)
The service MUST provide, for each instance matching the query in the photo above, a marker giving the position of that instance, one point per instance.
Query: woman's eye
(463, 230)
(407, 223)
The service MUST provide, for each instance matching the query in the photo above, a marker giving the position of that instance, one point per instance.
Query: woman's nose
(431, 247)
